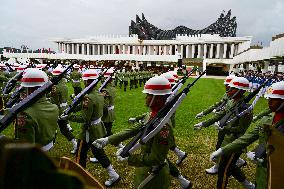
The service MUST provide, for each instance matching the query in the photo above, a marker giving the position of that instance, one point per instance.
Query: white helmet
(157, 85)
(174, 74)
(276, 90)
(21, 68)
(90, 74)
(57, 71)
(240, 83)
(108, 72)
(34, 77)
(169, 77)
(228, 79)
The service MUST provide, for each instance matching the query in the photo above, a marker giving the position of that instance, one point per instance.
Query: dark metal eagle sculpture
(225, 26)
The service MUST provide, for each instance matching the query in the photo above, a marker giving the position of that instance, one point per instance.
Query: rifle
(234, 109)
(107, 80)
(15, 97)
(179, 84)
(81, 95)
(31, 99)
(154, 125)
(12, 83)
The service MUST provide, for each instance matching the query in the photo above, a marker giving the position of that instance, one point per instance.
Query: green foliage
(198, 144)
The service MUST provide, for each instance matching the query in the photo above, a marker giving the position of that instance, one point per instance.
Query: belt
(63, 104)
(76, 81)
(110, 108)
(97, 121)
(47, 147)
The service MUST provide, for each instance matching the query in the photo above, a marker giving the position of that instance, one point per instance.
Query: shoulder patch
(164, 133)
(86, 101)
(21, 119)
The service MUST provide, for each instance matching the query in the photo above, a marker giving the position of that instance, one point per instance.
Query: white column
(72, 49)
(140, 50)
(225, 50)
(99, 49)
(58, 47)
(93, 49)
(181, 51)
(218, 51)
(113, 49)
(123, 49)
(211, 50)
(192, 51)
(83, 48)
(78, 45)
(232, 50)
(133, 49)
(199, 51)
(186, 51)
(128, 49)
(104, 49)
(88, 49)
(171, 49)
(143, 50)
(205, 51)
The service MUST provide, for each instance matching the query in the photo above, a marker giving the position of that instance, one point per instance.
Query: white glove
(2, 136)
(199, 115)
(217, 126)
(131, 120)
(216, 154)
(63, 117)
(214, 111)
(254, 118)
(198, 126)
(251, 156)
(101, 142)
(119, 158)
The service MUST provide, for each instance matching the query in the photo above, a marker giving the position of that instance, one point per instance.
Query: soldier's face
(274, 103)
(148, 99)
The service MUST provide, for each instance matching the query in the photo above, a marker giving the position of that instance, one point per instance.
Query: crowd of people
(38, 122)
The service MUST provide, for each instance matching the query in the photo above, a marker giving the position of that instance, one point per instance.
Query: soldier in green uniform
(59, 96)
(125, 77)
(3, 79)
(75, 77)
(219, 103)
(92, 128)
(131, 79)
(262, 133)
(223, 106)
(232, 131)
(140, 77)
(154, 153)
(37, 123)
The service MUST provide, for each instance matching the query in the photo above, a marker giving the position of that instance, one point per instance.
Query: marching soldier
(92, 128)
(75, 77)
(268, 126)
(59, 96)
(232, 131)
(125, 79)
(221, 102)
(154, 153)
(223, 105)
(37, 123)
(131, 78)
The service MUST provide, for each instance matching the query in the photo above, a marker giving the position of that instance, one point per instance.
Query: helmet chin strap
(152, 100)
(280, 107)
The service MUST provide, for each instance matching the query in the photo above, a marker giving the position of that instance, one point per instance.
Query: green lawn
(198, 144)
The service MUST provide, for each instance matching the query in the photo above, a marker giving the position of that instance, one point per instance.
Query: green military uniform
(265, 112)
(153, 153)
(59, 96)
(125, 77)
(227, 163)
(92, 128)
(140, 78)
(119, 76)
(3, 79)
(132, 79)
(136, 78)
(247, 139)
(108, 112)
(215, 105)
(38, 123)
(75, 77)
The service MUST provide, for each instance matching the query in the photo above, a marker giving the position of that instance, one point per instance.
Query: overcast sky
(35, 22)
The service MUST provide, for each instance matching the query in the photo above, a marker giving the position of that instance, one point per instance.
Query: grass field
(198, 144)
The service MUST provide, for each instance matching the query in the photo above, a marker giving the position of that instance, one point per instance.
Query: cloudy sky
(35, 22)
